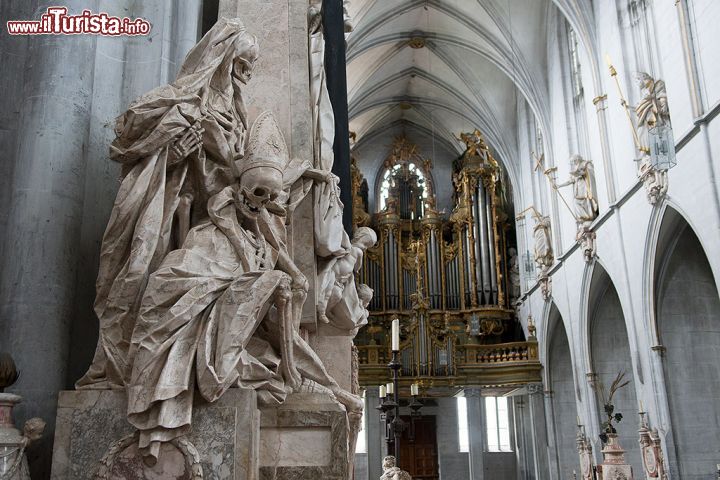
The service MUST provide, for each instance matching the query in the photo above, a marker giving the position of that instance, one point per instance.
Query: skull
(258, 186)
(246, 53)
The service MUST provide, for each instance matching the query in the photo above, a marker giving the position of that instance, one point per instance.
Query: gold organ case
(444, 276)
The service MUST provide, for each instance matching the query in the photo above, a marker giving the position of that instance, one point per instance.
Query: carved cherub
(335, 279)
(393, 472)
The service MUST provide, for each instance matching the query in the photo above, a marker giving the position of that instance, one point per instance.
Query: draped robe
(140, 230)
(208, 319)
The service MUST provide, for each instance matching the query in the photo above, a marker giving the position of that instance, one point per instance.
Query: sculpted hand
(188, 143)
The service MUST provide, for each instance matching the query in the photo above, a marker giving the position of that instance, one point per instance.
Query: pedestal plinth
(93, 440)
(305, 438)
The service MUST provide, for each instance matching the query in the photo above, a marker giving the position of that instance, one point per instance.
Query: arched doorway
(688, 320)
(610, 354)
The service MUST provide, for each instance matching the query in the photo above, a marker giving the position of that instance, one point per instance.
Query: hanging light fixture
(662, 147)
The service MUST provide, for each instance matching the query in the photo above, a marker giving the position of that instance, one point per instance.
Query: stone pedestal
(614, 466)
(305, 438)
(93, 436)
(13, 464)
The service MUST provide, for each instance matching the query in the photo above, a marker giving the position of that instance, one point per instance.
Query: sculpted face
(246, 53)
(365, 237)
(258, 186)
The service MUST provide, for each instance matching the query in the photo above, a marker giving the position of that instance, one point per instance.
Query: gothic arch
(608, 349)
(686, 314)
(561, 381)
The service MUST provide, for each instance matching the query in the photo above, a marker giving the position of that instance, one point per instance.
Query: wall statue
(582, 179)
(197, 289)
(544, 256)
(585, 205)
(514, 274)
(651, 111)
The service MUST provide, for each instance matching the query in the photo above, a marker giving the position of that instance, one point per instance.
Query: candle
(396, 335)
(390, 389)
(414, 389)
(641, 406)
(608, 61)
(382, 391)
(578, 420)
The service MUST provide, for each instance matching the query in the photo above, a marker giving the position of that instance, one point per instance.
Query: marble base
(304, 439)
(94, 440)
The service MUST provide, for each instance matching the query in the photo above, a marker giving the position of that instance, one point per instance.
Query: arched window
(405, 182)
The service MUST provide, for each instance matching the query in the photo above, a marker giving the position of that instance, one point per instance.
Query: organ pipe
(432, 269)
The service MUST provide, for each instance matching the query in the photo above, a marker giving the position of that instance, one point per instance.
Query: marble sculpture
(197, 289)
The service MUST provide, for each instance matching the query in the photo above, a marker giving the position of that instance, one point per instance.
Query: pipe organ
(443, 275)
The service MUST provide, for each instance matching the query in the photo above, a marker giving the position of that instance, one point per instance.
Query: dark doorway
(419, 455)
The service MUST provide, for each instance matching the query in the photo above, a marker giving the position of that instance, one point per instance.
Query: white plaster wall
(628, 227)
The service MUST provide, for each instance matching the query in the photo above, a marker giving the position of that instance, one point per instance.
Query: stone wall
(58, 185)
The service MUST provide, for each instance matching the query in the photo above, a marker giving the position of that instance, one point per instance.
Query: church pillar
(476, 430)
(38, 278)
(524, 440)
(376, 447)
(538, 432)
(552, 449)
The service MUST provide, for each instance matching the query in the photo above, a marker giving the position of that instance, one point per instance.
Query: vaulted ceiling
(441, 67)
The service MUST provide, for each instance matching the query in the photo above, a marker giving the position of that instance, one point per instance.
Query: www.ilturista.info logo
(56, 21)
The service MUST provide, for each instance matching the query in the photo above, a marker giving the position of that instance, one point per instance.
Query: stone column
(538, 431)
(523, 438)
(552, 449)
(376, 448)
(38, 278)
(476, 430)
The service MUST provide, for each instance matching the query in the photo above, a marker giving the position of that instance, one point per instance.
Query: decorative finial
(8, 371)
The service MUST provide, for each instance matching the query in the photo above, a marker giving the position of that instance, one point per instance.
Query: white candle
(396, 335)
(578, 420)
(414, 389)
(390, 389)
(641, 406)
(382, 391)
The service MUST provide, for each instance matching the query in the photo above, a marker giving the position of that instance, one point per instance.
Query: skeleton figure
(224, 310)
(176, 145)
(392, 472)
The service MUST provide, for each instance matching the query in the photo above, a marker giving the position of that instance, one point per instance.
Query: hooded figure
(223, 311)
(176, 145)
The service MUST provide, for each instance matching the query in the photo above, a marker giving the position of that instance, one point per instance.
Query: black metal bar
(334, 31)
(397, 423)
